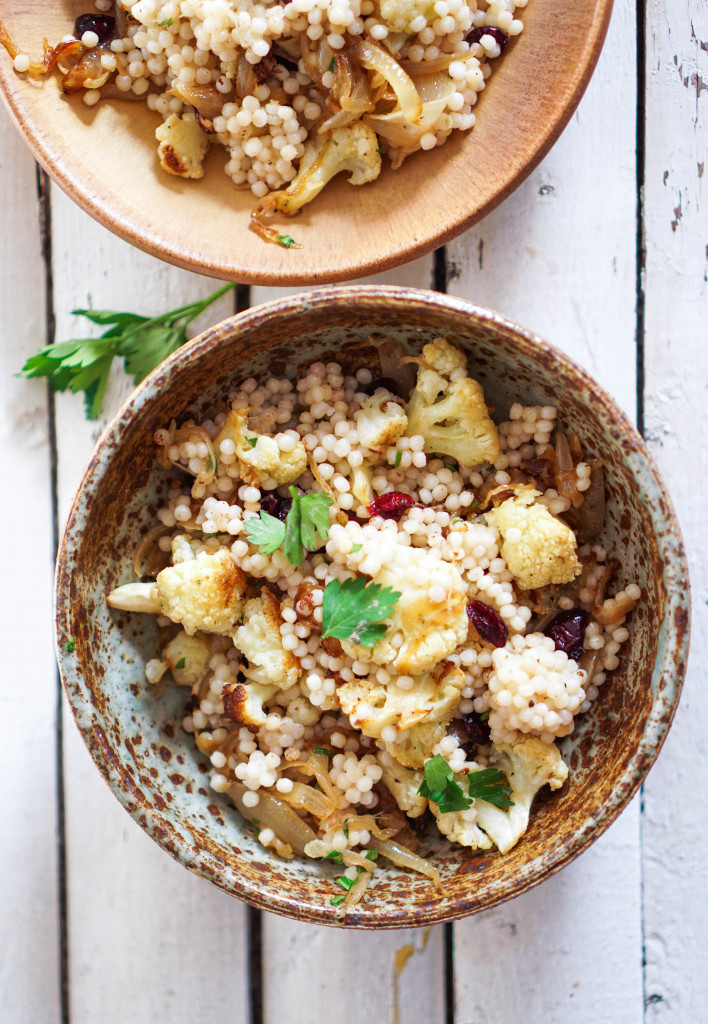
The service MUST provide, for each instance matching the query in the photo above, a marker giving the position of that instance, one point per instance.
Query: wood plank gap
(440, 270)
(45, 231)
(242, 298)
(641, 242)
(255, 965)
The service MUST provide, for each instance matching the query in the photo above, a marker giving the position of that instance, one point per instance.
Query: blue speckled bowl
(134, 736)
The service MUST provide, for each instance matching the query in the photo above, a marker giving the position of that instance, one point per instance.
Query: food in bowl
(296, 92)
(387, 606)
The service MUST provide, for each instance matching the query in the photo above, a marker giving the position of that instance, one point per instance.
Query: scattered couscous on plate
(387, 606)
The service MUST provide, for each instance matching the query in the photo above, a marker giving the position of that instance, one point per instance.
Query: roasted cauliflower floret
(243, 703)
(259, 639)
(448, 408)
(380, 421)
(354, 148)
(408, 722)
(203, 593)
(263, 463)
(537, 547)
(533, 689)
(398, 14)
(528, 764)
(183, 146)
(188, 658)
(403, 785)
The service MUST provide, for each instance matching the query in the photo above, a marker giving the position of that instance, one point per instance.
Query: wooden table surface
(603, 251)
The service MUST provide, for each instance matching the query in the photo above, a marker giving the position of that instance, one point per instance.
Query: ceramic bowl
(134, 736)
(104, 157)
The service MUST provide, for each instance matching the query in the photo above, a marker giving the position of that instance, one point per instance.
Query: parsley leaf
(161, 24)
(84, 364)
(331, 64)
(287, 241)
(323, 750)
(372, 854)
(491, 785)
(335, 855)
(180, 663)
(267, 532)
(355, 547)
(314, 518)
(354, 610)
(346, 883)
(484, 717)
(253, 441)
(70, 646)
(292, 541)
(439, 786)
(399, 456)
(336, 900)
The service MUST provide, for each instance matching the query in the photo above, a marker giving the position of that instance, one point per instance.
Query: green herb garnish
(452, 466)
(345, 828)
(70, 646)
(331, 64)
(439, 786)
(335, 855)
(266, 531)
(83, 364)
(180, 663)
(162, 24)
(484, 717)
(323, 750)
(287, 241)
(355, 548)
(372, 854)
(399, 456)
(346, 883)
(253, 441)
(491, 785)
(306, 526)
(336, 900)
(354, 610)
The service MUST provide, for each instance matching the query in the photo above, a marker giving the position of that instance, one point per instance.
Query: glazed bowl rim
(672, 659)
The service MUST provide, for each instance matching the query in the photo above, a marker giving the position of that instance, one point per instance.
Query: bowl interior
(204, 224)
(134, 733)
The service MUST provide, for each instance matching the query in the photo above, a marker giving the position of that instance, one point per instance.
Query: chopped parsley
(346, 883)
(180, 663)
(84, 364)
(452, 466)
(399, 456)
(439, 787)
(253, 441)
(323, 750)
(484, 717)
(335, 855)
(70, 646)
(336, 900)
(355, 610)
(331, 64)
(345, 828)
(306, 526)
(287, 241)
(163, 24)
(372, 854)
(355, 548)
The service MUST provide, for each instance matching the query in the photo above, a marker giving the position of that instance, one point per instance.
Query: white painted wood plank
(29, 954)
(559, 254)
(313, 974)
(148, 940)
(418, 274)
(559, 257)
(675, 821)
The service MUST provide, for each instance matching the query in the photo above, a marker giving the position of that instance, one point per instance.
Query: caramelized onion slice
(402, 857)
(374, 58)
(310, 800)
(397, 129)
(276, 815)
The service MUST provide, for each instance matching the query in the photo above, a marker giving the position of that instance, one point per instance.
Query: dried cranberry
(476, 730)
(488, 30)
(488, 623)
(102, 24)
(381, 382)
(276, 506)
(391, 505)
(567, 631)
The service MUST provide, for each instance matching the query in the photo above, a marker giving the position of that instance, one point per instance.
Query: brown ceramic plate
(133, 733)
(104, 158)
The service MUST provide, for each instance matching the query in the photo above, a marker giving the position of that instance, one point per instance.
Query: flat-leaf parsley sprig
(354, 610)
(439, 786)
(306, 526)
(84, 364)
